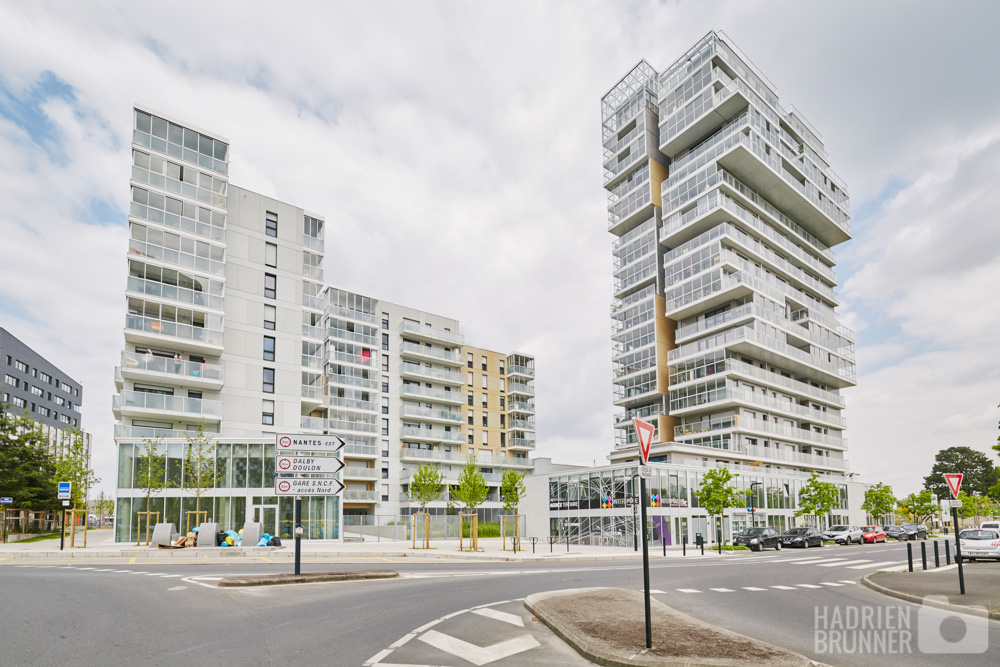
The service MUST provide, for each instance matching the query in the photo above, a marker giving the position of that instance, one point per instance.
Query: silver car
(844, 534)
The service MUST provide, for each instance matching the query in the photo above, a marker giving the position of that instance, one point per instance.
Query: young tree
(817, 498)
(425, 486)
(715, 493)
(471, 491)
(103, 505)
(72, 466)
(979, 472)
(199, 465)
(512, 490)
(150, 468)
(879, 501)
(27, 471)
(920, 506)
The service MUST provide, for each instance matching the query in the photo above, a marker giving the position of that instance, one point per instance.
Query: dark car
(759, 538)
(802, 537)
(895, 532)
(915, 531)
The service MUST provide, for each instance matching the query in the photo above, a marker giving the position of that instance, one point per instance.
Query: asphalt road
(169, 614)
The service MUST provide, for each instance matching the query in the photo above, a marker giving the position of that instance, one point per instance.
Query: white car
(844, 534)
(978, 543)
(990, 525)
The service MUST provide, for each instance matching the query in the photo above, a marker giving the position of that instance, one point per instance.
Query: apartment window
(469, 378)
(64, 419)
(271, 224)
(484, 381)
(385, 426)
(12, 381)
(472, 417)
(485, 419)
(385, 341)
(270, 315)
(385, 449)
(470, 398)
(385, 474)
(385, 321)
(468, 360)
(501, 367)
(484, 363)
(268, 381)
(270, 286)
(472, 439)
(385, 405)
(486, 437)
(503, 419)
(268, 348)
(194, 393)
(502, 385)
(21, 366)
(10, 360)
(385, 493)
(385, 363)
(385, 384)
(484, 400)
(21, 403)
(267, 413)
(45, 377)
(45, 412)
(503, 437)
(270, 254)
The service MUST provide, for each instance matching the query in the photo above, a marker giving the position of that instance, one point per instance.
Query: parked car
(978, 543)
(990, 525)
(759, 538)
(843, 534)
(915, 531)
(895, 532)
(872, 534)
(802, 537)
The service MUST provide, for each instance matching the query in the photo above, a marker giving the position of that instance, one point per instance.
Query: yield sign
(644, 432)
(954, 483)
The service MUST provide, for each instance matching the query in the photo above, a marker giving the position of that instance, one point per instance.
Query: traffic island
(982, 587)
(312, 577)
(607, 626)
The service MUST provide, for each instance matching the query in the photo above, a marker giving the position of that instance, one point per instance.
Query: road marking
(478, 655)
(850, 562)
(848, 581)
(830, 583)
(500, 616)
(387, 560)
(826, 560)
(267, 560)
(656, 591)
(753, 588)
(722, 590)
(171, 576)
(872, 565)
(785, 588)
(85, 568)
(427, 625)
(800, 560)
(140, 572)
(402, 640)
(378, 656)
(132, 561)
(689, 590)
(105, 570)
(808, 586)
(122, 571)
(155, 574)
(177, 588)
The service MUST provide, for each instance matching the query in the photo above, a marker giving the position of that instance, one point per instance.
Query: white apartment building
(230, 326)
(725, 211)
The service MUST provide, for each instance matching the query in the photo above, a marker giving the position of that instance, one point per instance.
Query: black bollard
(909, 554)
(533, 540)
(947, 553)
(937, 556)
(684, 546)
(923, 554)
(663, 540)
(552, 540)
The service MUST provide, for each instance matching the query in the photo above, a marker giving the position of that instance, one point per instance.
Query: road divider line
(826, 560)
(722, 590)
(807, 586)
(830, 583)
(402, 640)
(785, 588)
(753, 588)
(377, 657)
(848, 581)
(871, 565)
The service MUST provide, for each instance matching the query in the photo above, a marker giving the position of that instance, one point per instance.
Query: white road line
(830, 583)
(722, 590)
(85, 568)
(848, 581)
(141, 572)
(656, 591)
(500, 616)
(177, 588)
(785, 588)
(872, 565)
(171, 576)
(402, 640)
(825, 560)
(850, 562)
(753, 588)
(155, 574)
(689, 590)
(427, 625)
(478, 655)
(123, 571)
(378, 656)
(800, 560)
(808, 586)
(105, 570)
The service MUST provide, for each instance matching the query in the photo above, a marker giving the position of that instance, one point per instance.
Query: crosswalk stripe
(872, 565)
(848, 581)
(850, 562)
(799, 560)
(753, 588)
(784, 588)
(689, 590)
(808, 586)
(722, 590)
(825, 560)
(830, 583)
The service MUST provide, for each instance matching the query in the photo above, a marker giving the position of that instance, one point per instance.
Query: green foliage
(102, 504)
(199, 465)
(512, 490)
(919, 506)
(879, 500)
(150, 467)
(471, 491)
(71, 466)
(976, 506)
(485, 529)
(27, 471)
(980, 475)
(425, 486)
(817, 498)
(715, 494)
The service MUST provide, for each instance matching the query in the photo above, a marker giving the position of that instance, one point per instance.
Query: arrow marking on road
(478, 655)
(500, 616)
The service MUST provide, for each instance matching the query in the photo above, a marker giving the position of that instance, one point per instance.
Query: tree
(425, 486)
(471, 491)
(512, 490)
(199, 465)
(979, 472)
(72, 465)
(150, 468)
(715, 494)
(879, 501)
(817, 498)
(27, 471)
(919, 506)
(102, 505)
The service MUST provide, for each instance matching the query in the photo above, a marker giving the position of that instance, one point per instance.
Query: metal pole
(298, 535)
(909, 554)
(718, 535)
(663, 541)
(62, 532)
(684, 546)
(645, 560)
(947, 553)
(937, 556)
(635, 537)
(958, 551)
(923, 554)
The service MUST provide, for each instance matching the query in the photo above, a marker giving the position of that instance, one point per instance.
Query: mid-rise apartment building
(35, 387)
(231, 327)
(725, 210)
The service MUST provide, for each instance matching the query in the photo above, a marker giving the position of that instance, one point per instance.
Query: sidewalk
(982, 587)
(100, 545)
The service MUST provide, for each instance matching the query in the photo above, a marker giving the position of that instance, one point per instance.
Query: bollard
(533, 540)
(567, 542)
(909, 554)
(684, 546)
(552, 540)
(718, 537)
(947, 553)
(923, 554)
(937, 556)
(702, 548)
(663, 540)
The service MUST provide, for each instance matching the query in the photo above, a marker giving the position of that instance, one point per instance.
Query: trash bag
(195, 529)
(274, 541)
(229, 541)
(262, 542)
(220, 537)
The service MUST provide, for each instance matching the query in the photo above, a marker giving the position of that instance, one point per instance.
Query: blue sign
(6, 501)
(64, 490)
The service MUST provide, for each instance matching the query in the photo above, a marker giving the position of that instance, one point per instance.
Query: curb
(916, 599)
(274, 580)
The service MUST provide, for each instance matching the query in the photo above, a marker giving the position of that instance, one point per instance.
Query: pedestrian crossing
(164, 575)
(759, 589)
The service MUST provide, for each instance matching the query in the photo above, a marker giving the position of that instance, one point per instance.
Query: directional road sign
(954, 483)
(307, 487)
(65, 490)
(295, 442)
(309, 464)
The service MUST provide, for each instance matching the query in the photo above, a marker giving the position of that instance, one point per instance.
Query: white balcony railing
(147, 363)
(173, 329)
(138, 400)
(425, 331)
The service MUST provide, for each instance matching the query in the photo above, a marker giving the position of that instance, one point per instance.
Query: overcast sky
(455, 151)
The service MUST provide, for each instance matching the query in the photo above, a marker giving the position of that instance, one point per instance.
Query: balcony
(174, 293)
(125, 432)
(358, 473)
(521, 443)
(147, 332)
(314, 302)
(520, 388)
(521, 425)
(766, 454)
(370, 340)
(314, 333)
(314, 363)
(359, 496)
(312, 395)
(312, 424)
(354, 451)
(340, 425)
(701, 114)
(431, 435)
(416, 392)
(425, 455)
(527, 407)
(732, 397)
(451, 476)
(352, 404)
(744, 370)
(430, 334)
(141, 405)
(351, 381)
(413, 371)
(352, 314)
(431, 415)
(313, 243)
(362, 359)
(521, 370)
(433, 354)
(175, 372)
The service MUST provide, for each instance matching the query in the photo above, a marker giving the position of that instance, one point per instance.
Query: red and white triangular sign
(954, 483)
(644, 432)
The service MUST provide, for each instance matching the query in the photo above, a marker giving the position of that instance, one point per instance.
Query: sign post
(955, 483)
(644, 433)
(65, 491)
